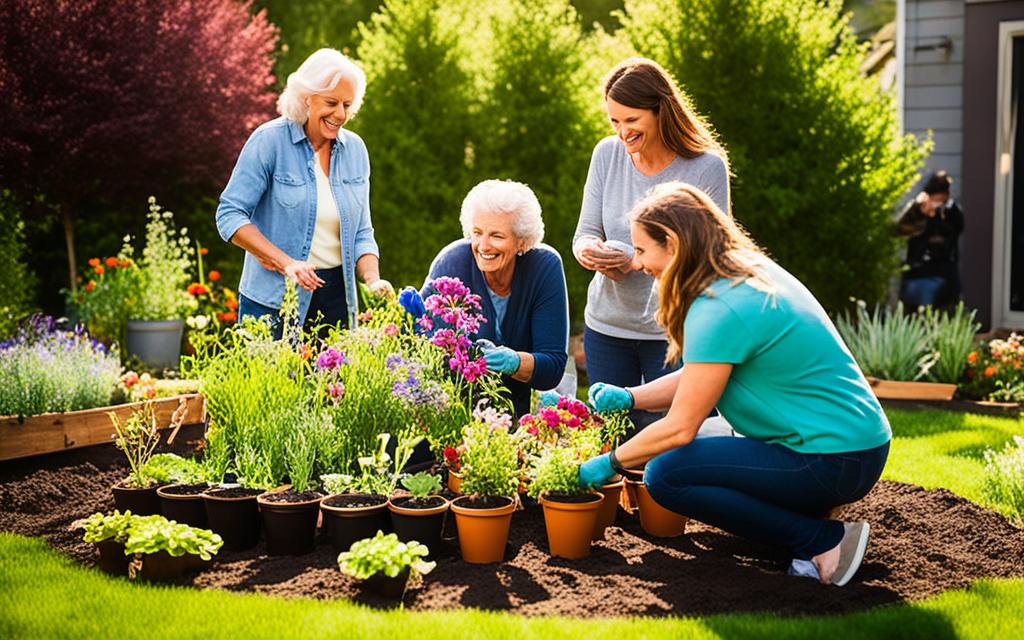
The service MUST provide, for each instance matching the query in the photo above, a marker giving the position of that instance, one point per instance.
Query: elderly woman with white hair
(521, 284)
(298, 200)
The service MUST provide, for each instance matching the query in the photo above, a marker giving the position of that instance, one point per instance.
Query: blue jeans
(922, 292)
(764, 492)
(327, 307)
(625, 363)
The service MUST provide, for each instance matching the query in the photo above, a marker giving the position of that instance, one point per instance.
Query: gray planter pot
(156, 342)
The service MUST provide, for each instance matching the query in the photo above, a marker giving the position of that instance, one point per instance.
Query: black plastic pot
(290, 527)
(162, 566)
(354, 516)
(383, 585)
(183, 503)
(112, 558)
(235, 515)
(422, 522)
(141, 502)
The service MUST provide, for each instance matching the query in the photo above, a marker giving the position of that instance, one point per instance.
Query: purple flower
(331, 358)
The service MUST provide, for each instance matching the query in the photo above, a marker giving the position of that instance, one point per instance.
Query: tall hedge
(815, 147)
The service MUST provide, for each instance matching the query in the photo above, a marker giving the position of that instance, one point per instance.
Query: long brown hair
(709, 245)
(641, 83)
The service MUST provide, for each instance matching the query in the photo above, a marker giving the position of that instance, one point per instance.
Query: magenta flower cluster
(549, 421)
(458, 308)
(331, 358)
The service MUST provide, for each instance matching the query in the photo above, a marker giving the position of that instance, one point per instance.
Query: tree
(17, 282)
(818, 160)
(113, 97)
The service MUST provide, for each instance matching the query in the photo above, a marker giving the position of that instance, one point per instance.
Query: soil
(290, 496)
(186, 489)
(923, 542)
(234, 492)
(493, 502)
(355, 501)
(409, 502)
(572, 498)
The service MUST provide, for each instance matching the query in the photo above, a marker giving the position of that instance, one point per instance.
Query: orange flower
(990, 371)
(94, 262)
(124, 263)
(150, 392)
(972, 357)
(89, 286)
(228, 316)
(214, 276)
(204, 251)
(99, 270)
(231, 303)
(111, 262)
(197, 289)
(130, 379)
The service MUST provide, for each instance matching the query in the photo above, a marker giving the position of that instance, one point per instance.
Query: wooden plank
(896, 390)
(52, 432)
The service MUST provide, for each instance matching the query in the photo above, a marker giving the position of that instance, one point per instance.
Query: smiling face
(494, 243)
(636, 128)
(329, 111)
(650, 255)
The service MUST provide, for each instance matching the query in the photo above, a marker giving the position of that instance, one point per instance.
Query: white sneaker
(851, 551)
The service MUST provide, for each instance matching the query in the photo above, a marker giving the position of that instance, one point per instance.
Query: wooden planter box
(893, 390)
(50, 432)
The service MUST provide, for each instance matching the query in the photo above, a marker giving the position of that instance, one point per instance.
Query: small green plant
(378, 475)
(384, 554)
(137, 438)
(490, 463)
(1004, 476)
(115, 526)
(952, 337)
(422, 485)
(167, 468)
(302, 442)
(892, 346)
(150, 534)
(164, 270)
(555, 471)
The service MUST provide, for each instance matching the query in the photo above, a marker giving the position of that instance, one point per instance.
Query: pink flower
(391, 330)
(336, 390)
(331, 358)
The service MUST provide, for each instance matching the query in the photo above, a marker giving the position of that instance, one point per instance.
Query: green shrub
(17, 282)
(891, 346)
(1004, 476)
(952, 336)
(814, 145)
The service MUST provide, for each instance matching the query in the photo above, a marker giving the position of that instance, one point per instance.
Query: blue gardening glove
(548, 398)
(412, 302)
(502, 360)
(484, 345)
(607, 398)
(594, 472)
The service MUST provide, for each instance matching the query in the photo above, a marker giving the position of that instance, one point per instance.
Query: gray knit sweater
(626, 309)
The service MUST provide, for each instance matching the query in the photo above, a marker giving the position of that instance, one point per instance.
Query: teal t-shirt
(793, 382)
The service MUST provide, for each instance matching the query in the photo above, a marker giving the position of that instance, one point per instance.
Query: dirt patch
(923, 542)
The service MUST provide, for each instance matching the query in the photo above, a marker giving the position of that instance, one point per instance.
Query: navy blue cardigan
(536, 320)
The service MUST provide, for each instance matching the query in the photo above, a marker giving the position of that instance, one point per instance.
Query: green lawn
(45, 595)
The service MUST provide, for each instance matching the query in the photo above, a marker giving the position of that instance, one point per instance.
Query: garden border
(50, 432)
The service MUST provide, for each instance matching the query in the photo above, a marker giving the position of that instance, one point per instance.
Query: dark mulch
(923, 542)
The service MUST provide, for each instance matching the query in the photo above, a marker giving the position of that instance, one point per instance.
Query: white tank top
(325, 252)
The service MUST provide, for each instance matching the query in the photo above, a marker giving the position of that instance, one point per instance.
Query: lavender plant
(44, 368)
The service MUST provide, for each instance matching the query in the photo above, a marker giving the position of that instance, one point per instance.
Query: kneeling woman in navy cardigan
(520, 282)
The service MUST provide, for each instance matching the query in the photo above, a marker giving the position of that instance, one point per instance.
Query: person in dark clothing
(933, 221)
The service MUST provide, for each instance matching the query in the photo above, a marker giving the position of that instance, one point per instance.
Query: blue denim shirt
(273, 186)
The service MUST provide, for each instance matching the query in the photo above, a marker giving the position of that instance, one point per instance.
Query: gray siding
(933, 81)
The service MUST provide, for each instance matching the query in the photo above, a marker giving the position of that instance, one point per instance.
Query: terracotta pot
(235, 517)
(347, 524)
(176, 503)
(384, 585)
(112, 558)
(609, 508)
(483, 533)
(141, 502)
(290, 527)
(570, 525)
(423, 525)
(454, 482)
(654, 518)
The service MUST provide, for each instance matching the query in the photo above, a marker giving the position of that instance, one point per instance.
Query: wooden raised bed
(893, 390)
(50, 432)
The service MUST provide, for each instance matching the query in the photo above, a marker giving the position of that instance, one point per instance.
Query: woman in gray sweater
(658, 138)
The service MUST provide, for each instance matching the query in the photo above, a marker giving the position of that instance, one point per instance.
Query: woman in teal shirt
(759, 347)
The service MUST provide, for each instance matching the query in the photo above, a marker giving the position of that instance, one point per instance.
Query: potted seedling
(181, 497)
(290, 515)
(385, 565)
(570, 510)
(420, 514)
(137, 437)
(356, 506)
(108, 533)
(490, 477)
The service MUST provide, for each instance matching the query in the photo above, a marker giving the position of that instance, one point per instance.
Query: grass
(46, 595)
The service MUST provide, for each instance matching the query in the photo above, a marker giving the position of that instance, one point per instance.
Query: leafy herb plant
(384, 554)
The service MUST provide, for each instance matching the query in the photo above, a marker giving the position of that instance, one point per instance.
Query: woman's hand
(609, 398)
(597, 470)
(502, 360)
(303, 274)
(381, 288)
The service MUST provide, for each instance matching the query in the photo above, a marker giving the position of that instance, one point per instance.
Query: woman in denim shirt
(298, 200)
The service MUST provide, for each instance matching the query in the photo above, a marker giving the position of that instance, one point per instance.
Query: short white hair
(505, 196)
(320, 72)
